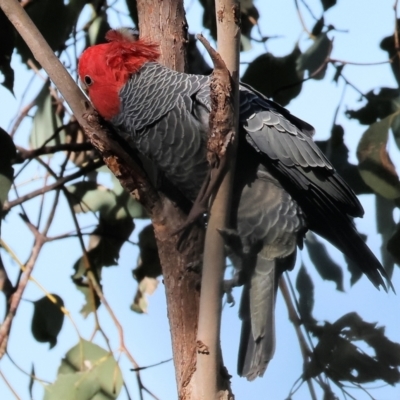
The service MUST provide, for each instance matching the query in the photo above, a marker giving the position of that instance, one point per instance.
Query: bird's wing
(290, 155)
(288, 144)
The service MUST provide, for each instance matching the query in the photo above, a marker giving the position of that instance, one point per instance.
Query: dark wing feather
(303, 170)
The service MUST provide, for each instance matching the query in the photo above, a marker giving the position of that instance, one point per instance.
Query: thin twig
(41, 381)
(309, 10)
(152, 365)
(302, 20)
(293, 317)
(9, 386)
(120, 330)
(19, 117)
(17, 295)
(60, 182)
(25, 154)
(362, 64)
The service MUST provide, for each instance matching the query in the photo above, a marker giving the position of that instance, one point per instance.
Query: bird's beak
(83, 87)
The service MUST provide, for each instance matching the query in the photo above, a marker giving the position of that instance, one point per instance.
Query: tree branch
(131, 176)
(60, 182)
(212, 382)
(24, 154)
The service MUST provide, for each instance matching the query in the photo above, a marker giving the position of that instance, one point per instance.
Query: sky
(147, 336)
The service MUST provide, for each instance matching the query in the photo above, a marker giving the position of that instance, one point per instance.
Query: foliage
(57, 145)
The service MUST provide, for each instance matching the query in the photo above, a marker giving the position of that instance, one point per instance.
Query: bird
(283, 183)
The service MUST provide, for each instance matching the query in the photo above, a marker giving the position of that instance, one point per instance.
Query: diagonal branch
(131, 176)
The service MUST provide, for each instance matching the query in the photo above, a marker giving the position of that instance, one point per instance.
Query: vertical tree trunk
(164, 22)
(211, 383)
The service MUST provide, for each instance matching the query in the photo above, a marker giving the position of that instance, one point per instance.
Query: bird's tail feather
(257, 342)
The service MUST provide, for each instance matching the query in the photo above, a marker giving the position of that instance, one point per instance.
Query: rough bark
(164, 22)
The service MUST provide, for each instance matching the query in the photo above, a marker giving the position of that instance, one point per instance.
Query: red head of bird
(103, 69)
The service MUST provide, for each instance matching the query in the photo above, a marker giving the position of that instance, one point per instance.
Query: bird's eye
(88, 80)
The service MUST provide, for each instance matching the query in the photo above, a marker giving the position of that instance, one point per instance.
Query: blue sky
(147, 336)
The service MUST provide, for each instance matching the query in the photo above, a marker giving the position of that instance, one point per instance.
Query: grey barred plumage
(283, 186)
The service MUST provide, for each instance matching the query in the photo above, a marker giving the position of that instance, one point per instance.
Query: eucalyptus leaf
(339, 357)
(147, 270)
(97, 30)
(47, 319)
(132, 7)
(284, 81)
(380, 104)
(53, 19)
(7, 154)
(6, 49)
(314, 59)
(386, 226)
(323, 262)
(45, 122)
(393, 245)
(103, 251)
(389, 44)
(305, 287)
(375, 165)
(90, 196)
(87, 372)
(326, 4)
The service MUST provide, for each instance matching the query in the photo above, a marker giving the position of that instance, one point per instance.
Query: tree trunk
(164, 22)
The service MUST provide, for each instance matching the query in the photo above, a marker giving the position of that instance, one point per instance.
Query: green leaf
(47, 319)
(396, 119)
(284, 81)
(315, 57)
(31, 381)
(104, 247)
(323, 262)
(337, 355)
(97, 30)
(147, 270)
(45, 122)
(388, 44)
(90, 196)
(337, 152)
(305, 287)
(319, 25)
(87, 372)
(132, 7)
(52, 18)
(375, 165)
(126, 204)
(393, 245)
(379, 105)
(386, 226)
(338, 73)
(326, 4)
(7, 154)
(353, 268)
(6, 49)
(116, 204)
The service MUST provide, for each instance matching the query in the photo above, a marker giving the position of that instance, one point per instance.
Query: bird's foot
(195, 266)
(232, 241)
